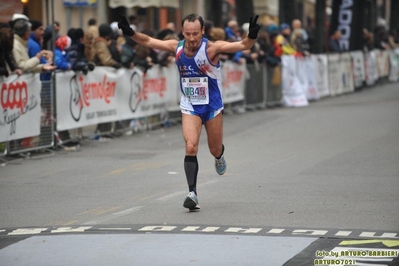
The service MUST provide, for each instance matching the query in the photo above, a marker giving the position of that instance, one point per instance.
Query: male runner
(200, 83)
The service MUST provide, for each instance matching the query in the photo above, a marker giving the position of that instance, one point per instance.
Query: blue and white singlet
(200, 80)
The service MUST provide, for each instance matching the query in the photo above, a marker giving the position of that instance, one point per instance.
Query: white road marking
(114, 215)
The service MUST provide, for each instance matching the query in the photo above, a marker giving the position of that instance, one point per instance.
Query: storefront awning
(143, 3)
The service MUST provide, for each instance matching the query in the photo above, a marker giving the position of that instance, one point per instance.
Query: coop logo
(14, 96)
(345, 16)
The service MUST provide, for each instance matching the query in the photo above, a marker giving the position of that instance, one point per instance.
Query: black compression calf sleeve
(191, 169)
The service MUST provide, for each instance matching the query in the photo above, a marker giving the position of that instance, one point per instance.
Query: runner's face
(192, 33)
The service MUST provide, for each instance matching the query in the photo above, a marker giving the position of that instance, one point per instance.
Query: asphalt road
(298, 181)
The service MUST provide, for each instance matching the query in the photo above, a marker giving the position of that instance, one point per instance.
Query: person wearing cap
(283, 40)
(35, 46)
(16, 17)
(20, 52)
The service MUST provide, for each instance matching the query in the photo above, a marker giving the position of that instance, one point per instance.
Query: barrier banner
(359, 72)
(233, 81)
(346, 73)
(321, 74)
(106, 95)
(306, 74)
(20, 107)
(334, 74)
(394, 62)
(370, 63)
(292, 89)
(172, 94)
(382, 63)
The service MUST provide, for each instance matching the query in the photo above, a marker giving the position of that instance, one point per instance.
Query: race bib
(196, 90)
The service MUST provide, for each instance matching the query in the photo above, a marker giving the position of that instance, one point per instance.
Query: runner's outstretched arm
(145, 40)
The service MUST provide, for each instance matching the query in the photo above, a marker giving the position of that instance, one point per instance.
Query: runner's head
(193, 27)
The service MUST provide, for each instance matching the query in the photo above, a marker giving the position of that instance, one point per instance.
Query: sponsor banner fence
(20, 106)
(334, 74)
(233, 81)
(305, 72)
(370, 64)
(292, 89)
(106, 94)
(321, 74)
(394, 65)
(382, 63)
(346, 80)
(359, 72)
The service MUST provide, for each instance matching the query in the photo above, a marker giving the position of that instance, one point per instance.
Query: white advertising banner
(334, 74)
(359, 72)
(20, 107)
(233, 81)
(321, 74)
(370, 63)
(292, 89)
(394, 62)
(306, 74)
(382, 63)
(346, 73)
(106, 95)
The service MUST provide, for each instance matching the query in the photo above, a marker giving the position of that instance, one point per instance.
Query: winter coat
(103, 55)
(20, 52)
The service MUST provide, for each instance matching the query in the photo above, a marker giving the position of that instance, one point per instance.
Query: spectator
(297, 42)
(26, 64)
(128, 53)
(231, 31)
(77, 51)
(381, 38)
(208, 29)
(333, 42)
(16, 17)
(301, 43)
(7, 61)
(35, 43)
(144, 58)
(282, 41)
(171, 26)
(164, 58)
(48, 35)
(103, 56)
(218, 34)
(93, 29)
(116, 42)
(61, 56)
(274, 51)
(368, 41)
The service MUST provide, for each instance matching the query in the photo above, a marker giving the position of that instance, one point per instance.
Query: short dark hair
(193, 17)
(92, 22)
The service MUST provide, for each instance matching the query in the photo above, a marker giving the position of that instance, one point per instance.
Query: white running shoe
(220, 165)
(191, 201)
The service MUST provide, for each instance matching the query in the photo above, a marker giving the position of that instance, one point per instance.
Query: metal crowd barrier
(274, 90)
(45, 140)
(256, 87)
